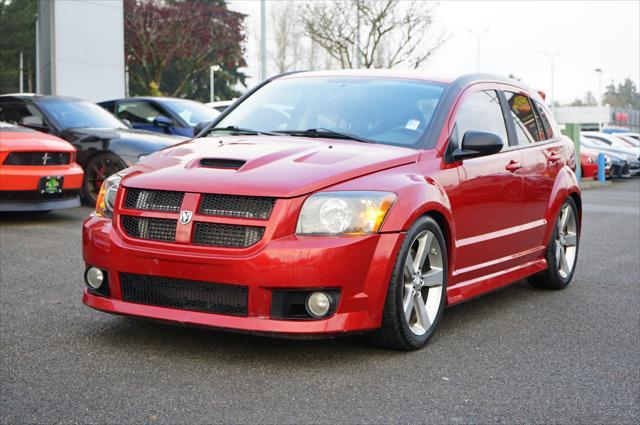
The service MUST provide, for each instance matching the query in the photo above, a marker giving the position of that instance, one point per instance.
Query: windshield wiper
(239, 130)
(325, 132)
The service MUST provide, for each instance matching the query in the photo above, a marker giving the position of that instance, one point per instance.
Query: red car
(322, 203)
(589, 163)
(38, 171)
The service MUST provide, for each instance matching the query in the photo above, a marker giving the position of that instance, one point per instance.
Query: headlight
(591, 160)
(107, 195)
(339, 213)
(607, 160)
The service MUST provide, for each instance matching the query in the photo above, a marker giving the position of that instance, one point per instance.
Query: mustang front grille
(226, 235)
(157, 229)
(183, 294)
(37, 158)
(236, 206)
(153, 200)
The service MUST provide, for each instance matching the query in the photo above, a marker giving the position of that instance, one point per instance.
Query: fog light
(94, 277)
(318, 304)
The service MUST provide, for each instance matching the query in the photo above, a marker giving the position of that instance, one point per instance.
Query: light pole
(552, 56)
(478, 34)
(212, 69)
(263, 40)
(599, 71)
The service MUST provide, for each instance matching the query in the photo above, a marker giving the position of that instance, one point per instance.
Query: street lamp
(552, 56)
(478, 34)
(212, 69)
(599, 71)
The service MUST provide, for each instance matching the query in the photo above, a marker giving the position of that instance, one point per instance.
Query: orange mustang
(38, 171)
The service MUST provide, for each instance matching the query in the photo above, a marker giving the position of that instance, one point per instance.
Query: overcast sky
(587, 35)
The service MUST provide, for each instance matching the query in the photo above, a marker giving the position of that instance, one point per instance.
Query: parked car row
(622, 155)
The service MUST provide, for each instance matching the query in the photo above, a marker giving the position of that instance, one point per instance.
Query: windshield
(593, 143)
(395, 112)
(79, 114)
(191, 112)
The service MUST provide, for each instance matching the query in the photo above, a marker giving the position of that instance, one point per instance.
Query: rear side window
(139, 112)
(524, 118)
(481, 112)
(546, 124)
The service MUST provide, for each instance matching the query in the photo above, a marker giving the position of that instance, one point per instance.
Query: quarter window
(524, 118)
(481, 111)
(546, 124)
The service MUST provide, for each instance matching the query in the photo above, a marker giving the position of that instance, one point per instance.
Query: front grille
(236, 206)
(184, 294)
(153, 200)
(37, 158)
(35, 195)
(156, 229)
(226, 235)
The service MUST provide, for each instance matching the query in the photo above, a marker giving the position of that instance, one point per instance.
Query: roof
(37, 97)
(147, 98)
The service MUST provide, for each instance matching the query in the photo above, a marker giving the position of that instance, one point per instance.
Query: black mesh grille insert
(182, 294)
(37, 158)
(153, 200)
(236, 206)
(157, 229)
(226, 235)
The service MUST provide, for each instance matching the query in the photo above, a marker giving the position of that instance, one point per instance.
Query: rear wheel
(417, 290)
(562, 251)
(97, 170)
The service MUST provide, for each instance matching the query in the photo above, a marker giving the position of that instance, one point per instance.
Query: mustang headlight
(107, 196)
(339, 213)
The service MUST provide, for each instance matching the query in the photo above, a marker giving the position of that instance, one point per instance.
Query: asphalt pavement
(518, 355)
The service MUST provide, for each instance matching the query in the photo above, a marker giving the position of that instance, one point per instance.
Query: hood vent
(228, 164)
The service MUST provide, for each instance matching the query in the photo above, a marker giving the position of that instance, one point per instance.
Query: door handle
(513, 166)
(554, 157)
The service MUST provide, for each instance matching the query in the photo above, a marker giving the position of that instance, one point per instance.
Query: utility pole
(263, 41)
(37, 73)
(21, 73)
(600, 124)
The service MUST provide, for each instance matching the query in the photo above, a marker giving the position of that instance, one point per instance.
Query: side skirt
(464, 291)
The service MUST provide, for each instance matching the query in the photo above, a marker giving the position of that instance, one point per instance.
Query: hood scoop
(224, 163)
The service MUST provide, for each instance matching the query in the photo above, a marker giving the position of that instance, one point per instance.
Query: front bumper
(360, 267)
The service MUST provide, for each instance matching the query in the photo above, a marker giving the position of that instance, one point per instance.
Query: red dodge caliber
(329, 202)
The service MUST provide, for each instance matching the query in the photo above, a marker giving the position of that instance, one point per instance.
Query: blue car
(161, 114)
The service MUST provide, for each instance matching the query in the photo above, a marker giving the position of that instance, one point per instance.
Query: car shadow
(139, 335)
(51, 217)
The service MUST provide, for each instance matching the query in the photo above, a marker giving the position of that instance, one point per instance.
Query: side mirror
(162, 122)
(126, 122)
(199, 127)
(478, 143)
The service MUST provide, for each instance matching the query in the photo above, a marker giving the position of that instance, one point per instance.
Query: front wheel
(417, 289)
(96, 172)
(562, 251)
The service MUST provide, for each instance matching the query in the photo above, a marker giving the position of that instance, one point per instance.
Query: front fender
(566, 184)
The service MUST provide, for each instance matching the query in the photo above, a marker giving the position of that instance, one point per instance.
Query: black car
(105, 144)
(161, 114)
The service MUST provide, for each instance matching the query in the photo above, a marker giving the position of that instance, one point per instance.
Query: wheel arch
(566, 185)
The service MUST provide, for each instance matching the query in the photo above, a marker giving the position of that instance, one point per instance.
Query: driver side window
(481, 111)
(23, 114)
(139, 112)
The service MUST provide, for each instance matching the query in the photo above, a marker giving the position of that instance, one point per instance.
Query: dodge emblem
(185, 217)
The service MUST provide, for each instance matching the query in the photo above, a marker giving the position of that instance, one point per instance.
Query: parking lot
(517, 355)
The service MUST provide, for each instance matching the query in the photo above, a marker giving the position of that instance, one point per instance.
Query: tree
(624, 96)
(371, 34)
(287, 36)
(17, 25)
(173, 43)
(587, 100)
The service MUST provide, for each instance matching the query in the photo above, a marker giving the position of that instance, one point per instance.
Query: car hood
(274, 166)
(32, 142)
(157, 140)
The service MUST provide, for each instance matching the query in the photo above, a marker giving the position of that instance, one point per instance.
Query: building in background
(80, 49)
(591, 117)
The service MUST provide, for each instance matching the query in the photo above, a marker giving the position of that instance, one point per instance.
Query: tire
(557, 276)
(97, 170)
(398, 331)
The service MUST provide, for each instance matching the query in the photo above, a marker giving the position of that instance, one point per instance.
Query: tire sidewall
(87, 196)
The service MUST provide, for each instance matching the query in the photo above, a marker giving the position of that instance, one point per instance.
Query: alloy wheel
(423, 282)
(566, 241)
